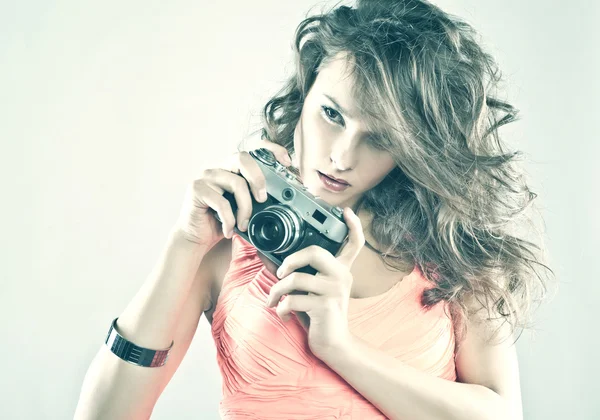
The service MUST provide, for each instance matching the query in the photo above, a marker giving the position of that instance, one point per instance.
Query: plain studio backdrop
(109, 109)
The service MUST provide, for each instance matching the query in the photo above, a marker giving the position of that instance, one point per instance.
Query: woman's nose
(344, 152)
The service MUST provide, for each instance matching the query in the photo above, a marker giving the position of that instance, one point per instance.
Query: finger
(356, 238)
(280, 152)
(245, 165)
(304, 319)
(242, 163)
(301, 282)
(315, 256)
(225, 180)
(218, 203)
(296, 303)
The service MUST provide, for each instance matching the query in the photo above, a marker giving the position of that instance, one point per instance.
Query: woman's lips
(339, 181)
(331, 184)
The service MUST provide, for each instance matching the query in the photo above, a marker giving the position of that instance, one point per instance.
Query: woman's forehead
(336, 83)
(336, 70)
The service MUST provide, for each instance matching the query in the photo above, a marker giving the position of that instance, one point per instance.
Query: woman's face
(330, 138)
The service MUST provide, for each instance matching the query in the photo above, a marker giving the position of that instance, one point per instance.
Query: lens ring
(286, 219)
(264, 155)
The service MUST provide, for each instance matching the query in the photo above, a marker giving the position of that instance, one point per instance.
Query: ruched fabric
(268, 370)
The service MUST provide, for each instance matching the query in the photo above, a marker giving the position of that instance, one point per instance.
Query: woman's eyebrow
(341, 108)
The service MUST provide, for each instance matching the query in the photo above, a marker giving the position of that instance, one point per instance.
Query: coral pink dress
(268, 370)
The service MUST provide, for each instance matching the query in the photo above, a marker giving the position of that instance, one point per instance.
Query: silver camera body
(291, 218)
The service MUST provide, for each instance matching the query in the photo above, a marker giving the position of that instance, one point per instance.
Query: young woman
(390, 115)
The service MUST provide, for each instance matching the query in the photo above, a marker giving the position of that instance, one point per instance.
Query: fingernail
(287, 160)
(244, 225)
(263, 194)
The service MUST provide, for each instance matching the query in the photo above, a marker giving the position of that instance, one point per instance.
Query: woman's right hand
(238, 175)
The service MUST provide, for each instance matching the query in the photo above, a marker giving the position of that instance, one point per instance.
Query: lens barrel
(275, 229)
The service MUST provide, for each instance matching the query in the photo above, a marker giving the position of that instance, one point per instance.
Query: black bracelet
(132, 353)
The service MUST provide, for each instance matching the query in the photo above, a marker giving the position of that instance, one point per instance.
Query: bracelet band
(133, 353)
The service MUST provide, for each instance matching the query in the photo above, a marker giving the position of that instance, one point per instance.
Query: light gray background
(108, 110)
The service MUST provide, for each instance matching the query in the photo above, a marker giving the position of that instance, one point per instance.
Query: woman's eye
(331, 115)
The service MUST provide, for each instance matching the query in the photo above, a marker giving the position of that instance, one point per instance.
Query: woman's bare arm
(167, 308)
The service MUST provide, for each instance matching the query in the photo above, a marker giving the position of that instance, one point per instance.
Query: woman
(415, 317)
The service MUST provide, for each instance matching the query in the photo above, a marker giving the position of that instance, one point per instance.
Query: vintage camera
(291, 218)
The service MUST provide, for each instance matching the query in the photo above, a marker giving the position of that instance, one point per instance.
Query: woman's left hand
(326, 303)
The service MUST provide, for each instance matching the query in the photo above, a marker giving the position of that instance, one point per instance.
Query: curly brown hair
(457, 199)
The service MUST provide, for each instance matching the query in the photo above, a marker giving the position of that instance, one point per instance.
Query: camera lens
(275, 229)
(270, 232)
